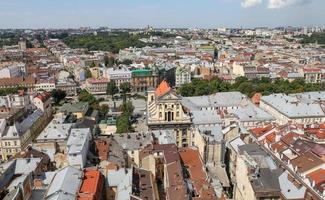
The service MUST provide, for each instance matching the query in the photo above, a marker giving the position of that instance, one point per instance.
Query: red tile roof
(260, 131)
(91, 184)
(192, 161)
(318, 176)
(163, 88)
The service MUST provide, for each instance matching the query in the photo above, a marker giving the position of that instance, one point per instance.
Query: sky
(160, 13)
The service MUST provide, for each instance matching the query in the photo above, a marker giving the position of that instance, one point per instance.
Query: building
(164, 162)
(45, 85)
(286, 109)
(256, 175)
(15, 138)
(12, 70)
(198, 178)
(165, 111)
(42, 101)
(20, 99)
(54, 137)
(78, 146)
(311, 75)
(182, 76)
(142, 79)
(96, 86)
(119, 75)
(78, 109)
(65, 184)
(67, 85)
(92, 186)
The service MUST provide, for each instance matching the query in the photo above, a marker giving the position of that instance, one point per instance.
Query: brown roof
(17, 81)
(306, 162)
(176, 189)
(192, 161)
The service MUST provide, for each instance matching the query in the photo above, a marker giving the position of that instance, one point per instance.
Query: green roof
(142, 72)
(74, 107)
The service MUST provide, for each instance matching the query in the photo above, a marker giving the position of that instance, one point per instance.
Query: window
(160, 114)
(177, 114)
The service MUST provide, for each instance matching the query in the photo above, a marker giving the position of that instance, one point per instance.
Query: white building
(45, 85)
(182, 76)
(119, 75)
(286, 109)
(12, 70)
(77, 146)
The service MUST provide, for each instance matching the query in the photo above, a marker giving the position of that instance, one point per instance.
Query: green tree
(125, 88)
(88, 73)
(92, 65)
(112, 89)
(123, 124)
(58, 95)
(85, 96)
(187, 90)
(127, 108)
(109, 61)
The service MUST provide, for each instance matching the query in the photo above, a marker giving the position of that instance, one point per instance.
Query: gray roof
(55, 130)
(74, 107)
(114, 178)
(250, 112)
(65, 184)
(77, 140)
(18, 129)
(267, 181)
(221, 99)
(310, 96)
(235, 143)
(124, 188)
(214, 133)
(166, 136)
(201, 117)
(289, 190)
(292, 107)
(133, 141)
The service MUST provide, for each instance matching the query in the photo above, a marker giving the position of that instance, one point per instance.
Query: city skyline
(161, 14)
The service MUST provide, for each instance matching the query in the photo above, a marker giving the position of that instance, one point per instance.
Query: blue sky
(160, 13)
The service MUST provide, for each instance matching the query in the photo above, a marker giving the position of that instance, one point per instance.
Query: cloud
(274, 4)
(250, 3)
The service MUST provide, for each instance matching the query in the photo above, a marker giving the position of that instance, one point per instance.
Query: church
(165, 111)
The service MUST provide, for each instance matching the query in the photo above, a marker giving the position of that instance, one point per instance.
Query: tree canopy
(249, 87)
(112, 89)
(105, 41)
(58, 95)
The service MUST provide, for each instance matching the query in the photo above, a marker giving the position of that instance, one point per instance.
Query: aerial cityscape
(162, 100)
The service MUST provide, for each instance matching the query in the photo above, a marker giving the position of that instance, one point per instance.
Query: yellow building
(18, 136)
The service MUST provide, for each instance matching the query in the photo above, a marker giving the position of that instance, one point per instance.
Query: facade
(142, 79)
(43, 102)
(311, 75)
(17, 137)
(67, 85)
(182, 76)
(21, 99)
(45, 85)
(96, 86)
(119, 76)
(286, 109)
(165, 111)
